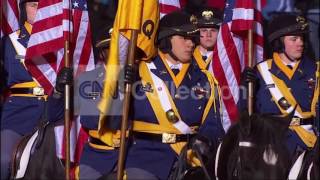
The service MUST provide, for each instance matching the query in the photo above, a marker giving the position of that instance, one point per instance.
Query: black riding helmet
(209, 18)
(175, 23)
(285, 25)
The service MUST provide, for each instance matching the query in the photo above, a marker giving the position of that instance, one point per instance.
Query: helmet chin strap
(290, 59)
(174, 57)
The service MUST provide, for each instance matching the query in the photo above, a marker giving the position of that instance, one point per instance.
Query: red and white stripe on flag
(55, 22)
(10, 16)
(44, 57)
(167, 6)
(230, 56)
(78, 137)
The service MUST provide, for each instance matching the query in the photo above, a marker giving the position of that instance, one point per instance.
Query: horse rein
(309, 171)
(242, 144)
(217, 161)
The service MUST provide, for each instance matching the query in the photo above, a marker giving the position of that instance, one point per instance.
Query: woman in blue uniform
(173, 102)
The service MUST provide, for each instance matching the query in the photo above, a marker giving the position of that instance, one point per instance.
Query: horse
(35, 156)
(254, 148)
(204, 150)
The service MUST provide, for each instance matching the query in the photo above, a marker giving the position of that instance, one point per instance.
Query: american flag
(231, 51)
(167, 6)
(44, 57)
(10, 16)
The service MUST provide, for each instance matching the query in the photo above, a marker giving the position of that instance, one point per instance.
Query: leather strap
(160, 137)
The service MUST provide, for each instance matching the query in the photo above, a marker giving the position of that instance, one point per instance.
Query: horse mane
(267, 133)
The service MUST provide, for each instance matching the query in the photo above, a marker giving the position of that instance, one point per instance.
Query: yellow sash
(164, 124)
(287, 71)
(198, 57)
(112, 144)
(307, 137)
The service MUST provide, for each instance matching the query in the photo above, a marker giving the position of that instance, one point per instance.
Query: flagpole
(67, 97)
(67, 114)
(1, 60)
(1, 7)
(125, 112)
(250, 65)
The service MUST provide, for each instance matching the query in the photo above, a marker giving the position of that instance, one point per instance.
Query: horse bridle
(241, 144)
(246, 144)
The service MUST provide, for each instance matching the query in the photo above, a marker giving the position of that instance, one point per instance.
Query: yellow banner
(141, 15)
(147, 23)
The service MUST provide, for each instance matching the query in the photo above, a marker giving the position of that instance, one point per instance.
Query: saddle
(35, 157)
(23, 151)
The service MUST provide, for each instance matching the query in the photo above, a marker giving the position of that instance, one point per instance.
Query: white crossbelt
(276, 93)
(164, 99)
(20, 49)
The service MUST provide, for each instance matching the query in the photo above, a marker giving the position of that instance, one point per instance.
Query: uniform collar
(25, 30)
(292, 64)
(28, 27)
(24, 33)
(283, 67)
(197, 54)
(174, 66)
(208, 53)
(304, 67)
(163, 70)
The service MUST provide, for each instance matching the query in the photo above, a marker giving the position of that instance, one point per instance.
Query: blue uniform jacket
(156, 157)
(302, 87)
(22, 114)
(87, 91)
(88, 88)
(87, 95)
(16, 72)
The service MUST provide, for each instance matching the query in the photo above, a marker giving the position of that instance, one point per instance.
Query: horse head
(201, 148)
(254, 148)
